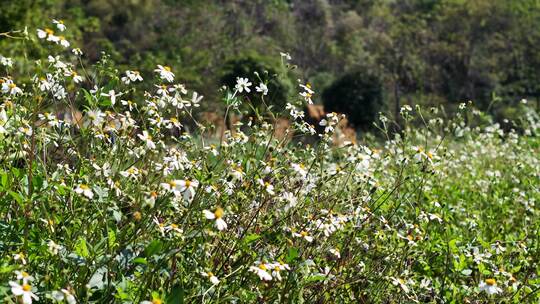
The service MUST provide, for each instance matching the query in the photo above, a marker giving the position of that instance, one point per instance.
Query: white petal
(209, 215)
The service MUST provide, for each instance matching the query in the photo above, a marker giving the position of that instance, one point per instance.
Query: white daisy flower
(262, 88)
(5, 61)
(218, 216)
(489, 286)
(84, 190)
(23, 291)
(24, 276)
(262, 271)
(285, 56)
(308, 93)
(77, 51)
(147, 139)
(9, 87)
(213, 279)
(182, 187)
(64, 295)
(132, 76)
(112, 95)
(165, 73)
(305, 235)
(242, 84)
(63, 42)
(47, 32)
(59, 25)
(20, 257)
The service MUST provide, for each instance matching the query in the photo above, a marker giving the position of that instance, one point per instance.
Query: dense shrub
(357, 94)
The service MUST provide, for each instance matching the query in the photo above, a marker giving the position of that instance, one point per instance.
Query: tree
(359, 95)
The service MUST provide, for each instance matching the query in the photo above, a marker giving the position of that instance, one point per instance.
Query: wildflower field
(132, 200)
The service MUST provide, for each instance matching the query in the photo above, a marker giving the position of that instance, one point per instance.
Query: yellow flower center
(156, 301)
(263, 267)
(84, 187)
(26, 287)
(12, 85)
(166, 68)
(153, 194)
(49, 31)
(172, 184)
(491, 282)
(304, 233)
(188, 183)
(218, 213)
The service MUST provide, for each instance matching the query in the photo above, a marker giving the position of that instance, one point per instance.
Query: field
(118, 203)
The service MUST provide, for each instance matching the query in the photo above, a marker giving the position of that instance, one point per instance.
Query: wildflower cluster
(116, 194)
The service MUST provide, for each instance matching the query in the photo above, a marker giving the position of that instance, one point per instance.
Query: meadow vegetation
(133, 202)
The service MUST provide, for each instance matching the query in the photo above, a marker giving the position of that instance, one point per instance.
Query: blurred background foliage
(424, 52)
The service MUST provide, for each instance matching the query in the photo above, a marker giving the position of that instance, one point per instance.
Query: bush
(270, 71)
(358, 95)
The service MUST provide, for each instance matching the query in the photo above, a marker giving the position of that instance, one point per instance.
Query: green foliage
(453, 50)
(131, 200)
(359, 95)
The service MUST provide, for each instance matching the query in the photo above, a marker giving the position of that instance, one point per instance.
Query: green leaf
(111, 238)
(4, 179)
(316, 278)
(153, 248)
(81, 249)
(176, 296)
(16, 196)
(292, 254)
(251, 238)
(140, 260)
(88, 97)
